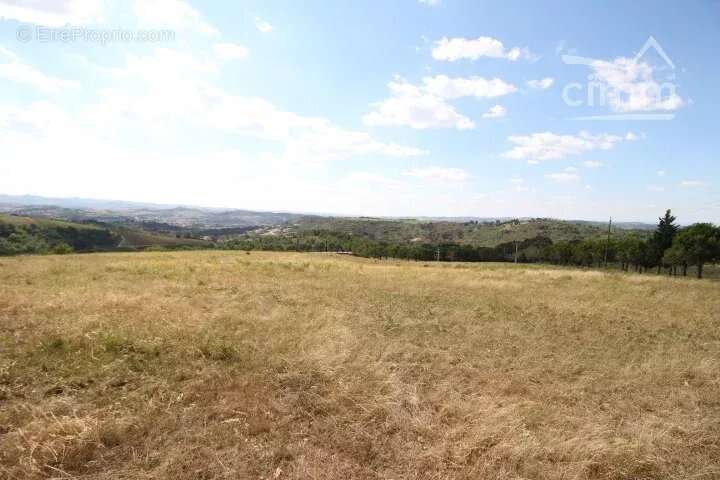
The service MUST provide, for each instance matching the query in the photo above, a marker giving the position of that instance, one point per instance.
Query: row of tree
(669, 247)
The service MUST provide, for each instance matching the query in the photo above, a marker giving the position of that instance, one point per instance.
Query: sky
(402, 108)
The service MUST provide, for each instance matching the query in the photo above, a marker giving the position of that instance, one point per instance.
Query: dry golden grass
(204, 365)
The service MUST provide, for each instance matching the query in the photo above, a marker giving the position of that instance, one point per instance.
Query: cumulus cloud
(452, 49)
(439, 173)
(592, 164)
(18, 72)
(431, 3)
(631, 86)
(174, 14)
(54, 13)
(655, 188)
(326, 142)
(542, 146)
(497, 111)
(262, 25)
(411, 106)
(177, 88)
(230, 51)
(542, 84)
(426, 106)
(450, 88)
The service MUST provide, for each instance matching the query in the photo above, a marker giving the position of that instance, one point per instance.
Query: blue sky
(436, 108)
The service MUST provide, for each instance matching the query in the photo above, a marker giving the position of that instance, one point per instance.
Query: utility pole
(516, 250)
(607, 243)
(437, 254)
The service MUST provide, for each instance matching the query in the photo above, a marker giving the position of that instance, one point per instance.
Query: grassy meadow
(228, 365)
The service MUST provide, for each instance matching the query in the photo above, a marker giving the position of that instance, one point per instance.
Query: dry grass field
(227, 365)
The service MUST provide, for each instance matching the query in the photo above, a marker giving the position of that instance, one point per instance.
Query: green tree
(701, 244)
(662, 239)
(61, 248)
(675, 256)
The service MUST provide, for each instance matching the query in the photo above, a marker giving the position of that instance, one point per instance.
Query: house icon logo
(652, 43)
(630, 88)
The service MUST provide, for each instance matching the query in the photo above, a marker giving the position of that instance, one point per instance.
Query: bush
(61, 249)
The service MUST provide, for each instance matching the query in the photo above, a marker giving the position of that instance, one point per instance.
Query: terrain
(147, 225)
(216, 365)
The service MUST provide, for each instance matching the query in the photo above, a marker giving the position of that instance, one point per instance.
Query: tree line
(58, 239)
(669, 247)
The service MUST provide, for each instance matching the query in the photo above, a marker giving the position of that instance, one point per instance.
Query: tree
(701, 244)
(61, 248)
(675, 256)
(662, 239)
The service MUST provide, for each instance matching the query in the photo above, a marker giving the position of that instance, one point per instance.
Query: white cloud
(230, 51)
(631, 137)
(439, 173)
(373, 180)
(655, 188)
(431, 3)
(413, 107)
(693, 184)
(8, 54)
(570, 169)
(34, 120)
(17, 72)
(631, 86)
(550, 146)
(563, 177)
(177, 91)
(497, 111)
(325, 142)
(174, 14)
(661, 173)
(462, 48)
(450, 88)
(262, 25)
(592, 164)
(519, 184)
(542, 84)
(53, 13)
(426, 106)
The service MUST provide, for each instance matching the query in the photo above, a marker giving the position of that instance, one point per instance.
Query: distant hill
(476, 233)
(141, 225)
(188, 217)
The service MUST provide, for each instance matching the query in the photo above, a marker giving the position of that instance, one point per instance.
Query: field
(204, 365)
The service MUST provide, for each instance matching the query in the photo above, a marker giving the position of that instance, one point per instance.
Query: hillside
(482, 234)
(134, 238)
(224, 365)
(20, 235)
(32, 235)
